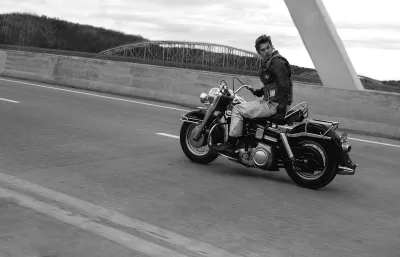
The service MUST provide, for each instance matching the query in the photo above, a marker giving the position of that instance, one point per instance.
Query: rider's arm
(281, 74)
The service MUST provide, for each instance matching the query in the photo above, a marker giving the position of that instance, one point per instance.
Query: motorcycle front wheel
(196, 151)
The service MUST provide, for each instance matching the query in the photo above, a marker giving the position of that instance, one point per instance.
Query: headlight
(203, 97)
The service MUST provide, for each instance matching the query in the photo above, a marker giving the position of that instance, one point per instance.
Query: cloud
(213, 23)
(209, 20)
(363, 26)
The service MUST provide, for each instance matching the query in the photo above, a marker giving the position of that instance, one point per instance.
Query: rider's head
(264, 46)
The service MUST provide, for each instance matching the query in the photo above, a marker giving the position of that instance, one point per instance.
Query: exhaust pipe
(345, 171)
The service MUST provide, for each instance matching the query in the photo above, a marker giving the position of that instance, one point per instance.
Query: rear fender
(318, 131)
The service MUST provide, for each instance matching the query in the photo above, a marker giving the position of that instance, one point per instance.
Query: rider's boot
(229, 146)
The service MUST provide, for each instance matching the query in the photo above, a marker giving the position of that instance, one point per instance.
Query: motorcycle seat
(280, 119)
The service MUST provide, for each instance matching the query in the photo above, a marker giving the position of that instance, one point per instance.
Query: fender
(320, 129)
(198, 115)
(194, 116)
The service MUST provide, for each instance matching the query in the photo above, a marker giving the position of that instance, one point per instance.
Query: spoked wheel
(196, 151)
(317, 165)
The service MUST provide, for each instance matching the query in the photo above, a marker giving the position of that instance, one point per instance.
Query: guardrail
(370, 112)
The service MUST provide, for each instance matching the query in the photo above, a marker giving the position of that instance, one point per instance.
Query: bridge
(210, 56)
(191, 54)
(199, 56)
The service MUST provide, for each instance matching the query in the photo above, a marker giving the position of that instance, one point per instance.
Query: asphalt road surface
(24, 232)
(108, 150)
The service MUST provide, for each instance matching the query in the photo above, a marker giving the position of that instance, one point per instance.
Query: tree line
(392, 82)
(32, 30)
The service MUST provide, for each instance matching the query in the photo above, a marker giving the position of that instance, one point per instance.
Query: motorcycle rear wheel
(316, 152)
(192, 151)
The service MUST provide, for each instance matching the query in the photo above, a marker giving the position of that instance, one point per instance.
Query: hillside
(31, 30)
(392, 82)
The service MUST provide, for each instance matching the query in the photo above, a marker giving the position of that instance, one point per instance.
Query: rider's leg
(251, 110)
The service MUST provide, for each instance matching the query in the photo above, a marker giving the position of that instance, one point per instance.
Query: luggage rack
(332, 125)
(304, 110)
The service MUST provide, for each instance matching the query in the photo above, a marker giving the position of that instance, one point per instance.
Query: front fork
(199, 129)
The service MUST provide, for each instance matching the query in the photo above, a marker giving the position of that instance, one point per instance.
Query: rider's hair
(262, 40)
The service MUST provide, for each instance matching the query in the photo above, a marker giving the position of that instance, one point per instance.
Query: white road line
(96, 211)
(155, 105)
(167, 135)
(8, 100)
(373, 142)
(131, 242)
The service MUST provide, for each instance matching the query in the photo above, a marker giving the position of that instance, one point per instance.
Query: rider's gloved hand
(257, 92)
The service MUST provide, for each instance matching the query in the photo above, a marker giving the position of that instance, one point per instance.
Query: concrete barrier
(369, 112)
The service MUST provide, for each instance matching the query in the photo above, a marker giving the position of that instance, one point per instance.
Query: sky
(370, 30)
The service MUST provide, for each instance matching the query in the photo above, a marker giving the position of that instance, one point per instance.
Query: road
(106, 150)
(24, 232)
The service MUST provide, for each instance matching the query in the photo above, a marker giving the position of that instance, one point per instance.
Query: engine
(261, 156)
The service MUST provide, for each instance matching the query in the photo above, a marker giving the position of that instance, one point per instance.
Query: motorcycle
(310, 150)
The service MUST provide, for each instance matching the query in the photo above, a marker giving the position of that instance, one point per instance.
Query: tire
(321, 150)
(188, 148)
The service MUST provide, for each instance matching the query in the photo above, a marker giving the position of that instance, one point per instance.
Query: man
(275, 74)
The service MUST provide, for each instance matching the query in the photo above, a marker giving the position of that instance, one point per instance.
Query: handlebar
(240, 88)
(225, 85)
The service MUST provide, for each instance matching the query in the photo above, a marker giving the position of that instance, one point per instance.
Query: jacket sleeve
(282, 77)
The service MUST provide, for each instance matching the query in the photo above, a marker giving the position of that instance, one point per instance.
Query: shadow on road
(231, 169)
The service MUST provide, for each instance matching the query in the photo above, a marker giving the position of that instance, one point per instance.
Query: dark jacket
(276, 74)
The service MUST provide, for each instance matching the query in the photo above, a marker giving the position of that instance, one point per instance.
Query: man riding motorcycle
(275, 74)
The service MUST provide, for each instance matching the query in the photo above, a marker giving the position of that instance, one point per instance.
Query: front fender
(197, 116)
(194, 116)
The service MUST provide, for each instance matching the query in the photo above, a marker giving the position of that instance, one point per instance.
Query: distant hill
(26, 29)
(392, 82)
(364, 79)
(297, 70)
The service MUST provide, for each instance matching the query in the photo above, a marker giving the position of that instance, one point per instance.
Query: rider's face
(265, 50)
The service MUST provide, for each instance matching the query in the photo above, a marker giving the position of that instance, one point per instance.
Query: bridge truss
(191, 54)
